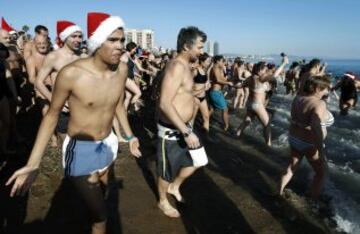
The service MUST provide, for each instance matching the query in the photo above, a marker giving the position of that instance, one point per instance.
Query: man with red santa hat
(71, 37)
(94, 88)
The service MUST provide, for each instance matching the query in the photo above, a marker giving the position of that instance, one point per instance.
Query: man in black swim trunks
(177, 103)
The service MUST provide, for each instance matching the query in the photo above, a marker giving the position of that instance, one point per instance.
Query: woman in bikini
(309, 119)
(201, 85)
(258, 85)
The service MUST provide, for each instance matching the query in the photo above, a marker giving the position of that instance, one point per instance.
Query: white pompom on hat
(100, 26)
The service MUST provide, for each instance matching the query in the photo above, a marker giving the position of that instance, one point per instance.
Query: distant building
(210, 48)
(216, 48)
(142, 37)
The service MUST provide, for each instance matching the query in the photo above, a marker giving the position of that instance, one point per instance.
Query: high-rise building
(216, 48)
(142, 37)
(210, 48)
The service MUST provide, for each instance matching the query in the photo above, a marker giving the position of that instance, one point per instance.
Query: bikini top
(260, 87)
(327, 123)
(200, 78)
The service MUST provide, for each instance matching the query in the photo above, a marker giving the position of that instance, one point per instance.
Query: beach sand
(232, 194)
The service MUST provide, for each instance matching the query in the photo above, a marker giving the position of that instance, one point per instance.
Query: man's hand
(24, 177)
(134, 147)
(192, 141)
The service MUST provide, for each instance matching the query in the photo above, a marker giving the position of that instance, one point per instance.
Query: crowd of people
(86, 88)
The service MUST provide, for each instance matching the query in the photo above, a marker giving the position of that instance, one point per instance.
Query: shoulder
(175, 67)
(73, 71)
(320, 106)
(52, 56)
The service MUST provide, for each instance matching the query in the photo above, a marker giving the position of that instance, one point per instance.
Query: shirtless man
(94, 88)
(29, 47)
(71, 35)
(33, 65)
(219, 80)
(176, 109)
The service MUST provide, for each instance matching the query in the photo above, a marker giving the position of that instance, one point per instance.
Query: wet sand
(232, 194)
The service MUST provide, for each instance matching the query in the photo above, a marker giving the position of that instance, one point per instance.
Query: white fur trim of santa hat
(68, 31)
(103, 31)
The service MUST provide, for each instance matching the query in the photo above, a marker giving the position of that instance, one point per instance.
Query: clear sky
(324, 28)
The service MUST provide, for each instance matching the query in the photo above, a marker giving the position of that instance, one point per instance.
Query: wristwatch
(187, 134)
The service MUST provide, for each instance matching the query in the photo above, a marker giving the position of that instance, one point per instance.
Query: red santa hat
(66, 28)
(100, 26)
(6, 26)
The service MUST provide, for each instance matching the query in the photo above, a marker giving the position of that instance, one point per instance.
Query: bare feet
(168, 210)
(175, 192)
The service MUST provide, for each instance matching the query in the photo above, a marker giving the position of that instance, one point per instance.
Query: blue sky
(323, 28)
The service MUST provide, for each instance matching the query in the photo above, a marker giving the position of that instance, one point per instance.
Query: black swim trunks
(172, 153)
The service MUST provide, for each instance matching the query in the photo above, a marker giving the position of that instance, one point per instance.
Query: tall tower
(216, 48)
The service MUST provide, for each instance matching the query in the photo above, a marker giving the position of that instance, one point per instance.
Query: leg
(204, 110)
(236, 98)
(246, 95)
(174, 187)
(89, 189)
(226, 118)
(247, 120)
(286, 177)
(320, 167)
(265, 120)
(164, 203)
(242, 97)
(135, 90)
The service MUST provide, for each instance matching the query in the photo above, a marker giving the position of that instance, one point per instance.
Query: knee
(99, 226)
(206, 116)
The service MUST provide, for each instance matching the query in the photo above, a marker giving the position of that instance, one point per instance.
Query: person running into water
(238, 71)
(201, 85)
(349, 86)
(291, 77)
(255, 106)
(94, 88)
(307, 132)
(176, 109)
(219, 80)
